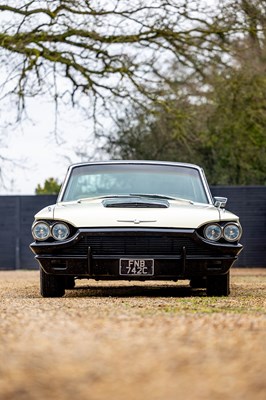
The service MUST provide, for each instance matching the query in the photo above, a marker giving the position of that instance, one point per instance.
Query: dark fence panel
(249, 203)
(17, 214)
(9, 232)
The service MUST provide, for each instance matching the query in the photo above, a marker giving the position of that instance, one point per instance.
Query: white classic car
(136, 220)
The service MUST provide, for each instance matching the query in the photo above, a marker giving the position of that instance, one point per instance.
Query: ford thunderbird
(136, 220)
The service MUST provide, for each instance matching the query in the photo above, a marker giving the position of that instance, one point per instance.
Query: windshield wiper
(160, 196)
(107, 196)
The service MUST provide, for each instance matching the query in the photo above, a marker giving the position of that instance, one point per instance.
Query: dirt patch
(108, 340)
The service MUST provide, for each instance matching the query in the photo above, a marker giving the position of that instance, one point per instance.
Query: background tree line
(216, 117)
(180, 80)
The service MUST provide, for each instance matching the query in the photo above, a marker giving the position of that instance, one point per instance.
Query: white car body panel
(92, 213)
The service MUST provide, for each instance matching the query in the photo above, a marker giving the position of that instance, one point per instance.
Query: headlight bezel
(38, 224)
(50, 225)
(223, 236)
(213, 225)
(62, 224)
(239, 232)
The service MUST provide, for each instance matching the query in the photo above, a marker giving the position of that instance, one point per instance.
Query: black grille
(136, 245)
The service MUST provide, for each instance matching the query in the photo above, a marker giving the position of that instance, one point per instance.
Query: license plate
(136, 267)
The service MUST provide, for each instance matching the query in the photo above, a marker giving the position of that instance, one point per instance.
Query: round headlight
(41, 231)
(213, 232)
(60, 231)
(232, 232)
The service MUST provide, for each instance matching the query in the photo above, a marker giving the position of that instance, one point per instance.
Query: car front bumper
(96, 253)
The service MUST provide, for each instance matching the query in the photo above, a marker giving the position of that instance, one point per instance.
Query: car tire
(218, 285)
(51, 285)
(69, 282)
(198, 282)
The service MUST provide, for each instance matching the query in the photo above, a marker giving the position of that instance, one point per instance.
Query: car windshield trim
(180, 183)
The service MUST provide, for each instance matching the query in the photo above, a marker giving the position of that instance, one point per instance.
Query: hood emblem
(136, 221)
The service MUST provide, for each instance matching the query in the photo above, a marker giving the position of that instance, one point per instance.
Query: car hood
(93, 213)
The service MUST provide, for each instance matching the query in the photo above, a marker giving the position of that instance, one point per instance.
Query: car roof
(137, 162)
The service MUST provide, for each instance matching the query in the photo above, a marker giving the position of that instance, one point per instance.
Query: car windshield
(99, 180)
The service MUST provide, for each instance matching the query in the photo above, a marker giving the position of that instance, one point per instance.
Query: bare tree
(100, 50)
(102, 55)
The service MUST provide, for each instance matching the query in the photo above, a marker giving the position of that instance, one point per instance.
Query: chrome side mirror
(220, 202)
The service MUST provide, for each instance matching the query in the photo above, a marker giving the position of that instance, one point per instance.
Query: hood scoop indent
(135, 203)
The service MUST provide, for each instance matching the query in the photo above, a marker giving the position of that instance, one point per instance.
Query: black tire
(198, 282)
(69, 282)
(218, 285)
(51, 285)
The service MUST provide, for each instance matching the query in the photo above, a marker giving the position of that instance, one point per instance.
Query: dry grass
(131, 341)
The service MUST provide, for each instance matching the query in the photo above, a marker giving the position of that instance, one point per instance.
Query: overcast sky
(38, 154)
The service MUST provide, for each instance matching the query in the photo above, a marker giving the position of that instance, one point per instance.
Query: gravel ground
(154, 341)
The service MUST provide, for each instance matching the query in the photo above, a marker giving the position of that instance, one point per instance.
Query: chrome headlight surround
(232, 232)
(41, 231)
(60, 231)
(213, 232)
(44, 230)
